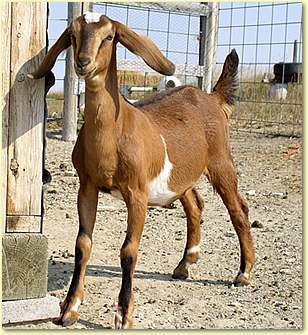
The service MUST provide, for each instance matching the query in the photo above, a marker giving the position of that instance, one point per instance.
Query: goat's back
(186, 110)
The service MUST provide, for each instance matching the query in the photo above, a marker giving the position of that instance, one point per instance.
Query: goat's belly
(159, 192)
(159, 195)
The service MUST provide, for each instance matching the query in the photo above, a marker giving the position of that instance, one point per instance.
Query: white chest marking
(159, 193)
(91, 17)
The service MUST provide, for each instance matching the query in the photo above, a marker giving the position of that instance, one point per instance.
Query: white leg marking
(76, 305)
(245, 275)
(193, 249)
(118, 320)
(126, 325)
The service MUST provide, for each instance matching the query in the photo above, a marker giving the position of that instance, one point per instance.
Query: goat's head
(93, 38)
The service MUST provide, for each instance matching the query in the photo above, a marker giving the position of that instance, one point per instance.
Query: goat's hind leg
(87, 205)
(225, 182)
(193, 206)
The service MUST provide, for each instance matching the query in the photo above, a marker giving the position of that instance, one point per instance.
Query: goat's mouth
(84, 74)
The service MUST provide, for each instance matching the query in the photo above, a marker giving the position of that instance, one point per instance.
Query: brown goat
(152, 152)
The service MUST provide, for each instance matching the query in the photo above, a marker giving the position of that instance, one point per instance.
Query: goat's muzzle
(84, 72)
(81, 63)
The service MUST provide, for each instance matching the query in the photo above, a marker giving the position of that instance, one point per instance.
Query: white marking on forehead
(91, 17)
(159, 193)
(193, 249)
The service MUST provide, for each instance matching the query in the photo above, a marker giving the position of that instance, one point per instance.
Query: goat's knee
(244, 206)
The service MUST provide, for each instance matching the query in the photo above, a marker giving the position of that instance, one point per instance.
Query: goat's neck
(102, 99)
(102, 119)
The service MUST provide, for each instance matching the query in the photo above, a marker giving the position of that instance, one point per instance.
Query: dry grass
(255, 109)
(138, 79)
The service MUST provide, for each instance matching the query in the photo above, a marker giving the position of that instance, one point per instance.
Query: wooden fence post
(211, 45)
(69, 132)
(5, 100)
(25, 118)
(24, 247)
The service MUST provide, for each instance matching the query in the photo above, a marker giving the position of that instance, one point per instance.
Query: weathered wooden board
(5, 87)
(69, 131)
(25, 140)
(24, 266)
(23, 224)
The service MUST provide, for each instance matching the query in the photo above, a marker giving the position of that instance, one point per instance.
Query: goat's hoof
(67, 319)
(242, 279)
(180, 273)
(119, 323)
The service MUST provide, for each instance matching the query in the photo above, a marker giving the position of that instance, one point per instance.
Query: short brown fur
(120, 148)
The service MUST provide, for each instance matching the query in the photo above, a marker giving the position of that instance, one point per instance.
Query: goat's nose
(82, 62)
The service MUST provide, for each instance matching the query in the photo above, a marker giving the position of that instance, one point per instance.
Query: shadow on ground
(60, 273)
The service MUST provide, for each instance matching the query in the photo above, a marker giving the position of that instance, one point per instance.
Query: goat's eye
(109, 37)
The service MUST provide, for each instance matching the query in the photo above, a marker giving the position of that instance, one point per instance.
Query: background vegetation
(255, 109)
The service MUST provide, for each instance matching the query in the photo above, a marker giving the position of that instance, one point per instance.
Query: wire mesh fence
(268, 39)
(266, 36)
(175, 30)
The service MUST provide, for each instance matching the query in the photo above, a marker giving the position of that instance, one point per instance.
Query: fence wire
(263, 34)
(268, 38)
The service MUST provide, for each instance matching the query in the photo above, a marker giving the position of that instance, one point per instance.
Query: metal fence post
(70, 100)
(87, 7)
(202, 36)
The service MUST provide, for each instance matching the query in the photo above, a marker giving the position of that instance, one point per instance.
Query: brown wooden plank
(26, 110)
(23, 224)
(5, 87)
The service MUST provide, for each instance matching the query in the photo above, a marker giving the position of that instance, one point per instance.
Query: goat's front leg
(87, 206)
(137, 205)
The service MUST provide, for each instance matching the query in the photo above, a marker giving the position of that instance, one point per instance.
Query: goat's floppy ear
(63, 42)
(142, 46)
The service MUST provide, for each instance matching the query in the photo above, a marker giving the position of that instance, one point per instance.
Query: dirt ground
(270, 177)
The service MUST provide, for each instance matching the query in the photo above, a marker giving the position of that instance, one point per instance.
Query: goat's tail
(227, 83)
